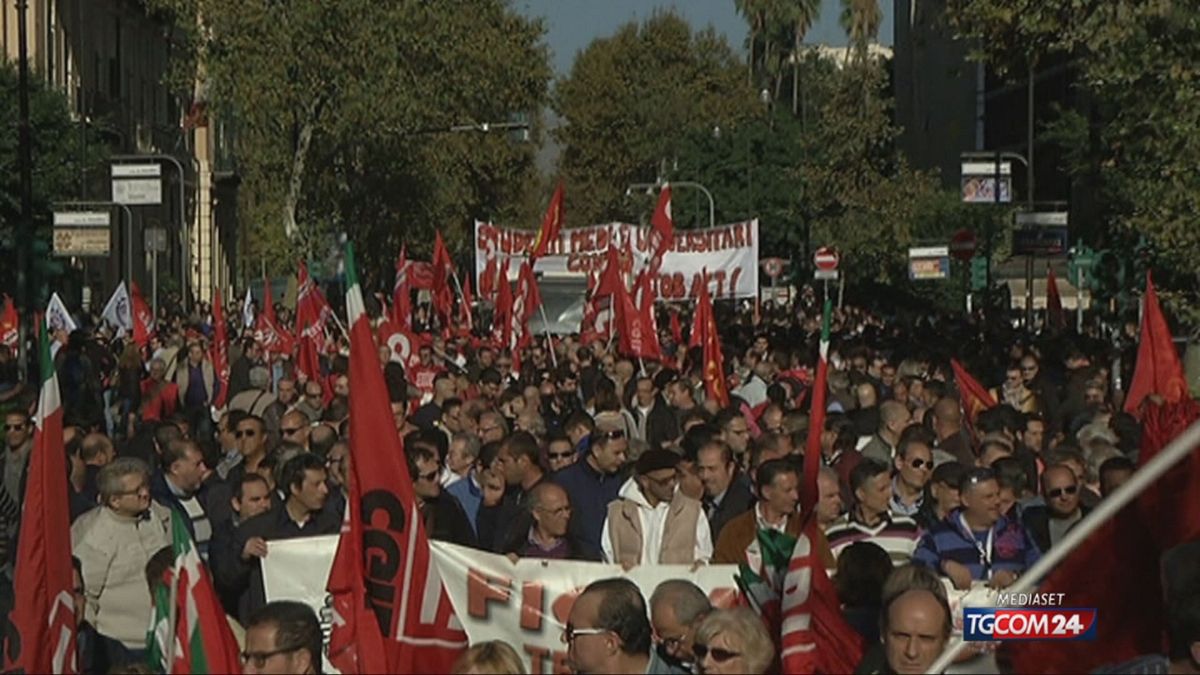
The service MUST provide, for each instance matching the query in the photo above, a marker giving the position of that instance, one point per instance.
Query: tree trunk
(796, 73)
(296, 180)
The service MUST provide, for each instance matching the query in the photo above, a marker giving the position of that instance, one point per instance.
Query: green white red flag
(203, 640)
(406, 624)
(43, 620)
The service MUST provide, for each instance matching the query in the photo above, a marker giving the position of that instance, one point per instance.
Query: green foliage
(1133, 139)
(62, 156)
(343, 112)
(629, 105)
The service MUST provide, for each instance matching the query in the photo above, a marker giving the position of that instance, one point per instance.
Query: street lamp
(658, 184)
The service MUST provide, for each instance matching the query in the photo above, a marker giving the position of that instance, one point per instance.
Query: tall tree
(630, 102)
(861, 20)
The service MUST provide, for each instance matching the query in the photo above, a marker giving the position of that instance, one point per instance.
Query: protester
(727, 491)
(283, 637)
(489, 658)
(778, 496)
(607, 629)
(733, 641)
(636, 528)
(1049, 523)
(176, 486)
(870, 519)
(594, 481)
(677, 607)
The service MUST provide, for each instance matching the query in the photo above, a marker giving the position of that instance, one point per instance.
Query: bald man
(951, 439)
(893, 419)
(1050, 523)
(916, 627)
(541, 532)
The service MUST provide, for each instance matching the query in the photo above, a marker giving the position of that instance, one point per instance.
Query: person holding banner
(607, 630)
(652, 523)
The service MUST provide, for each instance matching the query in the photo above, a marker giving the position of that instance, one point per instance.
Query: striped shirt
(898, 535)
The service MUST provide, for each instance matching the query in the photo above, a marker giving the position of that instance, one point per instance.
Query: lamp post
(649, 188)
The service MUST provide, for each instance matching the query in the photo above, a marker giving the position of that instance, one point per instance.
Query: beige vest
(678, 538)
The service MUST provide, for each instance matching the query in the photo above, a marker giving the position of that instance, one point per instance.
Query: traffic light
(1108, 274)
(45, 268)
(979, 273)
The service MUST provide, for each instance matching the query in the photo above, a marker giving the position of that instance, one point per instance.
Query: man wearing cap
(652, 522)
(594, 480)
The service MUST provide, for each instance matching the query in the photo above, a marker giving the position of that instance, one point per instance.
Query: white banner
(298, 569)
(728, 253)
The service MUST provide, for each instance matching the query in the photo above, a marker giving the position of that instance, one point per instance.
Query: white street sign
(825, 275)
(82, 218)
(136, 170)
(137, 191)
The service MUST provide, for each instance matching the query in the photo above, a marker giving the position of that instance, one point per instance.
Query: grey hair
(745, 631)
(470, 443)
(110, 479)
(259, 377)
(688, 600)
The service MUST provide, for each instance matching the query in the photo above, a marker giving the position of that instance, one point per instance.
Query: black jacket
(738, 500)
(274, 525)
(445, 520)
(1036, 520)
(661, 426)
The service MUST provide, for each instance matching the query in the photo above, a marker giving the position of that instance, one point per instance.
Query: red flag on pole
(413, 622)
(676, 329)
(714, 362)
(502, 317)
(973, 396)
(143, 318)
(467, 320)
(662, 228)
(401, 294)
(610, 276)
(44, 618)
(443, 270)
(551, 225)
(218, 352)
(1158, 370)
(9, 324)
(311, 312)
(267, 331)
(1055, 318)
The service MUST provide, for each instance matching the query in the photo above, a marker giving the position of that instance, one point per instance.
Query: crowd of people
(584, 454)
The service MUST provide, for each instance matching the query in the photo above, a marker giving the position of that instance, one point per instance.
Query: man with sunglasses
(607, 629)
(914, 465)
(560, 452)
(652, 523)
(595, 479)
(976, 542)
(1050, 523)
(676, 609)
(14, 464)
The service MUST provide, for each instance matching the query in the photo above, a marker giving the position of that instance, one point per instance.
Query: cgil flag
(44, 619)
(406, 623)
(402, 293)
(118, 312)
(203, 640)
(273, 337)
(710, 342)
(443, 272)
(312, 311)
(143, 318)
(1055, 318)
(551, 225)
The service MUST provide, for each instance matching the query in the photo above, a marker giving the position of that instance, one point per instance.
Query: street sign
(825, 275)
(773, 267)
(963, 244)
(1042, 219)
(1041, 241)
(137, 184)
(826, 258)
(979, 182)
(155, 239)
(82, 233)
(929, 263)
(82, 241)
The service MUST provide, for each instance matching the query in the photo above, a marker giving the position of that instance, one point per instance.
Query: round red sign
(826, 258)
(963, 244)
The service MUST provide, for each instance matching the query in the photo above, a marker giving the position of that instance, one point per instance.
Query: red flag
(1126, 553)
(502, 317)
(551, 225)
(700, 318)
(487, 280)
(44, 618)
(267, 331)
(467, 320)
(9, 324)
(413, 623)
(143, 319)
(587, 327)
(311, 312)
(1055, 318)
(650, 347)
(973, 396)
(676, 329)
(610, 277)
(522, 309)
(662, 228)
(443, 270)
(632, 330)
(401, 294)
(218, 352)
(1158, 370)
(714, 362)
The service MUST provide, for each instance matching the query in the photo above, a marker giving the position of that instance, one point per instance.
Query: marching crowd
(584, 454)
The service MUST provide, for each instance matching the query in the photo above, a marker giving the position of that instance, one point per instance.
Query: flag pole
(1108, 507)
(546, 330)
(463, 298)
(172, 615)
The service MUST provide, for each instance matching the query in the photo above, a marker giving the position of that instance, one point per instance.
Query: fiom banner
(728, 253)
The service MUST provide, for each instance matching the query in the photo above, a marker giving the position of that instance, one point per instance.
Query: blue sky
(572, 24)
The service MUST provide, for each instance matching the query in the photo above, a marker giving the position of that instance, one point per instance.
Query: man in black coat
(656, 423)
(442, 514)
(1061, 491)
(727, 492)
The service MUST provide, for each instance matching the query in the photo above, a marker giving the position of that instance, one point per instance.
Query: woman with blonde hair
(489, 658)
(733, 641)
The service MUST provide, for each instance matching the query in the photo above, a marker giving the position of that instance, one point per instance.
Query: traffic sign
(963, 244)
(825, 275)
(137, 184)
(826, 258)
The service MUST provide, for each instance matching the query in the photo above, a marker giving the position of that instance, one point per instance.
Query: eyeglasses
(245, 433)
(664, 482)
(1058, 492)
(560, 455)
(431, 476)
(14, 427)
(143, 487)
(610, 435)
(719, 655)
(672, 643)
(919, 463)
(259, 659)
(570, 633)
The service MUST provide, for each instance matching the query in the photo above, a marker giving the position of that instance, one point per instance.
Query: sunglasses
(14, 427)
(919, 463)
(719, 655)
(560, 455)
(245, 433)
(1058, 492)
(610, 435)
(289, 432)
(431, 476)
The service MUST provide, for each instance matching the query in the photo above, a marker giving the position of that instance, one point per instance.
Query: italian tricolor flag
(203, 641)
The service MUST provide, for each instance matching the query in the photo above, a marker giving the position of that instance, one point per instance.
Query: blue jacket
(590, 492)
(1012, 547)
(470, 496)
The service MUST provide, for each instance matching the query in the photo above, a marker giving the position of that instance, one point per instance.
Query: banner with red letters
(727, 254)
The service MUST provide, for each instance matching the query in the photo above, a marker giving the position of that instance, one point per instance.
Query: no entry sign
(826, 258)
